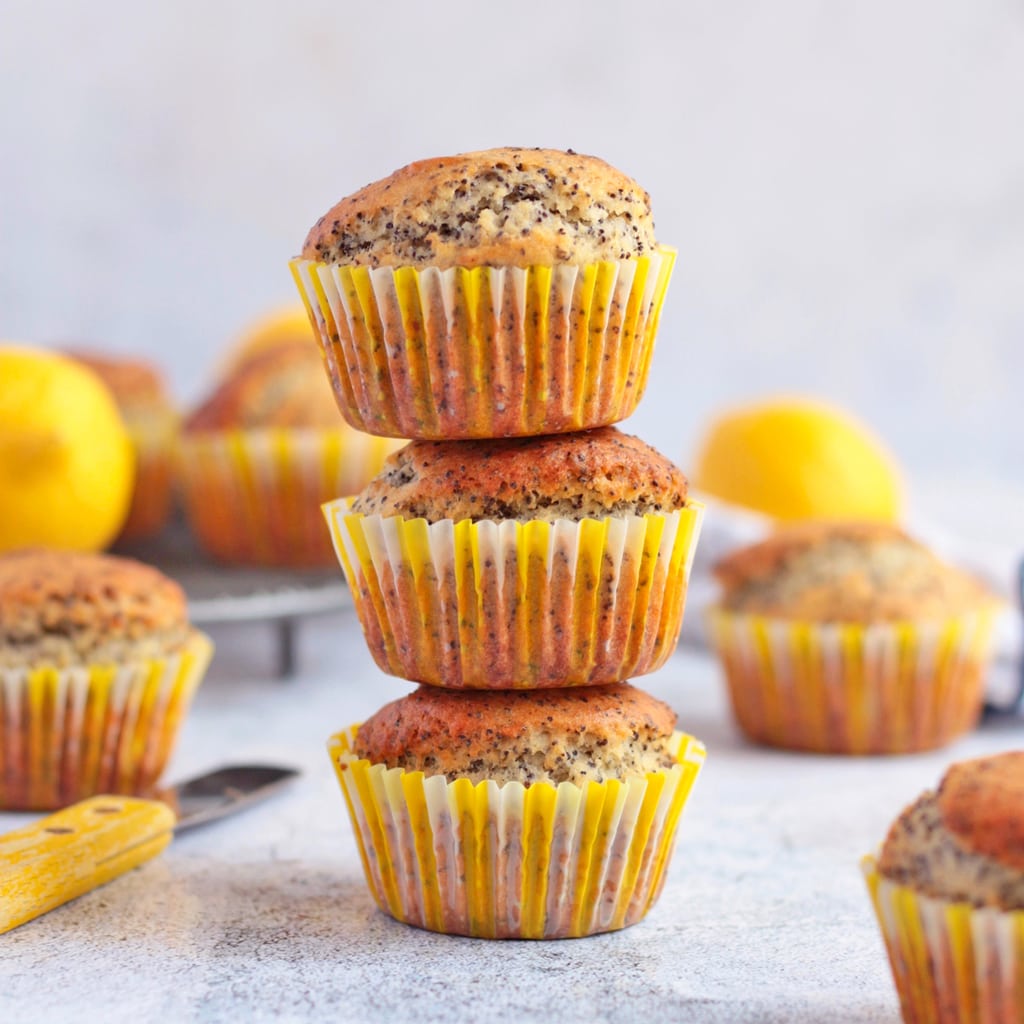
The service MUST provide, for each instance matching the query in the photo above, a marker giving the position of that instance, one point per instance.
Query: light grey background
(845, 182)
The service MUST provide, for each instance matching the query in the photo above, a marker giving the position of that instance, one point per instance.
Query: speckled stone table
(265, 916)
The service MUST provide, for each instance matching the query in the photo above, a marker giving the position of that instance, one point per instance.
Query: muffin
(262, 453)
(517, 815)
(502, 293)
(152, 423)
(520, 562)
(948, 889)
(851, 638)
(98, 665)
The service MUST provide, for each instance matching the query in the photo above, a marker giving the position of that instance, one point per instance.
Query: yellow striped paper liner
(154, 440)
(536, 862)
(67, 733)
(952, 963)
(253, 497)
(507, 605)
(486, 351)
(851, 688)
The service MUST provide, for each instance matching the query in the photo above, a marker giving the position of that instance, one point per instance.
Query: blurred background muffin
(98, 665)
(851, 638)
(267, 447)
(948, 889)
(500, 293)
(549, 561)
(152, 422)
(550, 769)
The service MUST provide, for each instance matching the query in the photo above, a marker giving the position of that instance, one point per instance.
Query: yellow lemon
(281, 326)
(66, 462)
(798, 459)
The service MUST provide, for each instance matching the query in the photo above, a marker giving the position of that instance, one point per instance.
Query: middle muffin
(520, 563)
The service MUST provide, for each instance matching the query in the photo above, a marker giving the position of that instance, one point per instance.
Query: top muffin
(503, 207)
(965, 842)
(591, 474)
(846, 572)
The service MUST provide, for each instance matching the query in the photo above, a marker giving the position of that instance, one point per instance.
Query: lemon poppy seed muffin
(508, 206)
(580, 735)
(965, 842)
(948, 892)
(504, 293)
(264, 451)
(98, 666)
(846, 572)
(595, 473)
(66, 608)
(851, 638)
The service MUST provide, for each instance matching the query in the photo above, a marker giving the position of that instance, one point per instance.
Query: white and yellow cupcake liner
(952, 963)
(253, 497)
(69, 733)
(510, 605)
(486, 351)
(849, 688)
(153, 493)
(514, 862)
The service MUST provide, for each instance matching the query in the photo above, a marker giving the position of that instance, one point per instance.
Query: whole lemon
(798, 459)
(66, 462)
(284, 326)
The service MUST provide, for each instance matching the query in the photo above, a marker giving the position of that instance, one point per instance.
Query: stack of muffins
(519, 558)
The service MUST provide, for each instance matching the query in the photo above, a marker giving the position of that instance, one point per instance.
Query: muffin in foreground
(152, 423)
(851, 638)
(517, 815)
(501, 293)
(948, 889)
(263, 452)
(520, 563)
(98, 666)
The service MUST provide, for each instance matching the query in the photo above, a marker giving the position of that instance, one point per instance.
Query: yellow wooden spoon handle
(75, 850)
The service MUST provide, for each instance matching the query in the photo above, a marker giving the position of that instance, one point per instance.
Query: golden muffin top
(499, 207)
(965, 842)
(846, 572)
(579, 734)
(591, 474)
(282, 386)
(66, 607)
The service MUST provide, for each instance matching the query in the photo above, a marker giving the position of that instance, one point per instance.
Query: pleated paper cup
(952, 963)
(253, 497)
(509, 605)
(153, 493)
(514, 862)
(69, 733)
(850, 688)
(486, 351)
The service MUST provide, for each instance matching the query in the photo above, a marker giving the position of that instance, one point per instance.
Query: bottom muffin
(948, 890)
(530, 815)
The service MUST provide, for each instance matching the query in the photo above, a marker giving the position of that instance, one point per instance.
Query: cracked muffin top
(283, 386)
(592, 474)
(966, 841)
(498, 207)
(846, 572)
(578, 735)
(66, 608)
(137, 386)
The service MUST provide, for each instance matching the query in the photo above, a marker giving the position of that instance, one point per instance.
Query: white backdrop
(845, 182)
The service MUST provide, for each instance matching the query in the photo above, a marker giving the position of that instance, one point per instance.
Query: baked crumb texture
(62, 608)
(580, 735)
(847, 572)
(503, 207)
(593, 474)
